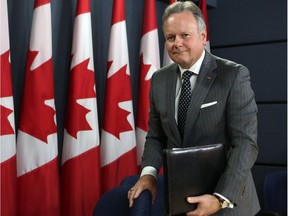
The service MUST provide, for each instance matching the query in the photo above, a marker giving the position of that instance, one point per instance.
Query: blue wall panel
(267, 64)
(246, 21)
(272, 134)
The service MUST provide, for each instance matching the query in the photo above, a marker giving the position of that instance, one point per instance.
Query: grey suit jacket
(231, 121)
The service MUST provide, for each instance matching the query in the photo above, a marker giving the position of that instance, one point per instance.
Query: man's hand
(207, 205)
(144, 182)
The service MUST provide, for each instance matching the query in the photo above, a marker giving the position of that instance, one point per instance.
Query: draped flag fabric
(166, 59)
(37, 151)
(7, 133)
(203, 7)
(80, 176)
(149, 63)
(118, 140)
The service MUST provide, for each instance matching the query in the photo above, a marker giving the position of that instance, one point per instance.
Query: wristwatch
(223, 202)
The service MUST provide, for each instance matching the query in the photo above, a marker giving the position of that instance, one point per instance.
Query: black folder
(191, 171)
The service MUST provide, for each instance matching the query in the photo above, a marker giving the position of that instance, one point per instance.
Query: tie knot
(186, 75)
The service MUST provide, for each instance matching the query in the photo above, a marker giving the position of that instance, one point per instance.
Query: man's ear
(204, 35)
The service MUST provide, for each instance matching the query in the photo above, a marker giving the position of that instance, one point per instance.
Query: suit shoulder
(164, 71)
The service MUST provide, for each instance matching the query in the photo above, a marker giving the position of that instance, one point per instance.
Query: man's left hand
(207, 205)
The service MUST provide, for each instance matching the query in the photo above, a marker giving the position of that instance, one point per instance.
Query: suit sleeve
(241, 115)
(156, 138)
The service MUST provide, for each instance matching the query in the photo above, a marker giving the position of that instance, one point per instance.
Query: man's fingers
(145, 182)
(137, 193)
(130, 192)
(131, 197)
(133, 193)
(192, 199)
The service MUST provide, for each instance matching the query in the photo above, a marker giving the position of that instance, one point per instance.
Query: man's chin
(182, 63)
(179, 57)
(178, 60)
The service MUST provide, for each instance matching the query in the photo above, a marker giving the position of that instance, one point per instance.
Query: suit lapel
(202, 86)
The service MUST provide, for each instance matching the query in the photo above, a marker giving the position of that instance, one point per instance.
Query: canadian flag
(166, 58)
(7, 129)
(149, 63)
(37, 151)
(203, 7)
(80, 176)
(118, 140)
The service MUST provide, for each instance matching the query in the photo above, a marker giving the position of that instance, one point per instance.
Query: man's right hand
(144, 182)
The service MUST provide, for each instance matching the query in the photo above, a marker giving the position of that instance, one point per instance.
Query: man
(222, 109)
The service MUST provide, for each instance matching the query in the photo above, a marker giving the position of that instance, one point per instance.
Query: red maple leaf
(37, 118)
(6, 81)
(6, 91)
(117, 90)
(82, 83)
(6, 127)
(143, 99)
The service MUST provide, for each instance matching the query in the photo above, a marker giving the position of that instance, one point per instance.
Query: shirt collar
(196, 67)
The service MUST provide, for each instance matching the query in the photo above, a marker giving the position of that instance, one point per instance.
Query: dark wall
(253, 33)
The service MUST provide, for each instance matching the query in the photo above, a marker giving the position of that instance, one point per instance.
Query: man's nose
(178, 40)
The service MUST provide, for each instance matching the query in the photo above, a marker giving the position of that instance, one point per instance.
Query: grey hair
(188, 6)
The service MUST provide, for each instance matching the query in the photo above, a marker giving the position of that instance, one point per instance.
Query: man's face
(183, 41)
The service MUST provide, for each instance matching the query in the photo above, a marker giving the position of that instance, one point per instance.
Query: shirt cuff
(149, 170)
(231, 205)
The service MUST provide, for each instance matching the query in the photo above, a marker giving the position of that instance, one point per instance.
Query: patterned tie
(184, 101)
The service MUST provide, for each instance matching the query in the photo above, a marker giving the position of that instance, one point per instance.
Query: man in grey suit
(222, 109)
